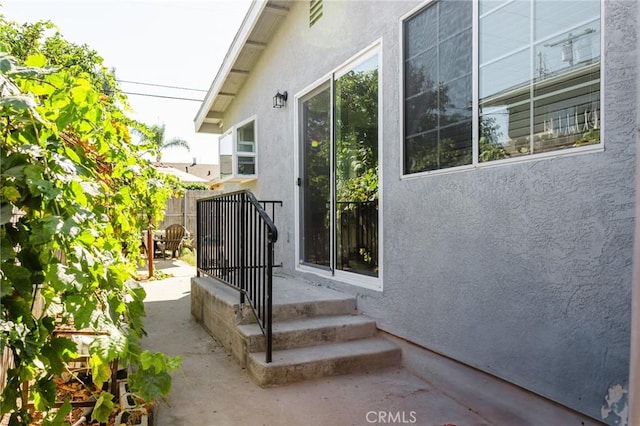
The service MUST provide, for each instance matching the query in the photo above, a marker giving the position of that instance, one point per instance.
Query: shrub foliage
(75, 194)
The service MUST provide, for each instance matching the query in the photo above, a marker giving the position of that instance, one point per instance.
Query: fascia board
(248, 24)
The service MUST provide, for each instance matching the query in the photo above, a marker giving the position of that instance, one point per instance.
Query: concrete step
(309, 332)
(292, 365)
(294, 300)
(314, 308)
(317, 331)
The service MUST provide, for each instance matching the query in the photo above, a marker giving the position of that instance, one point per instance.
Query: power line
(159, 85)
(161, 96)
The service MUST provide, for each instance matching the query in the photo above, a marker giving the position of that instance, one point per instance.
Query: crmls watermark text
(391, 417)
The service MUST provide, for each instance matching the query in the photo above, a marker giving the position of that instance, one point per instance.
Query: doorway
(339, 171)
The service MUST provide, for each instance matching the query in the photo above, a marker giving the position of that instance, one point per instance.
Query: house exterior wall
(522, 270)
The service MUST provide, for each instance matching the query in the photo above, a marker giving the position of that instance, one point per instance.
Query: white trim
(233, 131)
(333, 256)
(297, 173)
(228, 133)
(323, 84)
(475, 163)
(373, 283)
(569, 152)
(253, 154)
(246, 121)
(380, 279)
(359, 58)
(532, 73)
(401, 72)
(603, 113)
(315, 86)
(358, 280)
(475, 84)
(413, 11)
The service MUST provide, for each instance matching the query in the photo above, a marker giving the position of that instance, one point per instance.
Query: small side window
(238, 151)
(226, 155)
(246, 149)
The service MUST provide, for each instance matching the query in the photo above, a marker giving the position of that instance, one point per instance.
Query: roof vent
(315, 11)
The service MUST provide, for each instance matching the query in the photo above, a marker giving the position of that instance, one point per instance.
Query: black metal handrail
(235, 240)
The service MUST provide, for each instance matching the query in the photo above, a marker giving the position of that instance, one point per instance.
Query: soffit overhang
(262, 20)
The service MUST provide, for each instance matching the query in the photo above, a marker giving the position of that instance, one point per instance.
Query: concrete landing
(294, 300)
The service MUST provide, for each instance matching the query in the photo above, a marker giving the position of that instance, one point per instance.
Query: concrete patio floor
(211, 389)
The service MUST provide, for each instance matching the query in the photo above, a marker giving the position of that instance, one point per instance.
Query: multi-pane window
(538, 80)
(225, 146)
(437, 75)
(238, 151)
(246, 149)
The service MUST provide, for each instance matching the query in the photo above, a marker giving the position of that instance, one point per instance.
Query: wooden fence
(182, 210)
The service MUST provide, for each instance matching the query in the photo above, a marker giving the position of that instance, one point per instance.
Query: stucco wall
(521, 270)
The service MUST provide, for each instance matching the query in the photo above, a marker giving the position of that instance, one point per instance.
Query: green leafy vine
(75, 194)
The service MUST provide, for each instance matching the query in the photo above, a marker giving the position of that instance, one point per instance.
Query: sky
(156, 42)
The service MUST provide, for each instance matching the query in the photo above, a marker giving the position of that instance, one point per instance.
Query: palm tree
(156, 137)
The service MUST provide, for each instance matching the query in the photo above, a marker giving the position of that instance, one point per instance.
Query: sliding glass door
(339, 186)
(317, 178)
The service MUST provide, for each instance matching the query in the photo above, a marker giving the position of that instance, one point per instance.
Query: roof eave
(201, 121)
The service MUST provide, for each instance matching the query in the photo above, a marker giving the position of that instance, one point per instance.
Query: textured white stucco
(522, 270)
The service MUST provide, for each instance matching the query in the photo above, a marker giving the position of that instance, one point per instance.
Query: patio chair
(174, 235)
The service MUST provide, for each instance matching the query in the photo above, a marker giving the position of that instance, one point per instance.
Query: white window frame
(359, 280)
(475, 64)
(233, 131)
